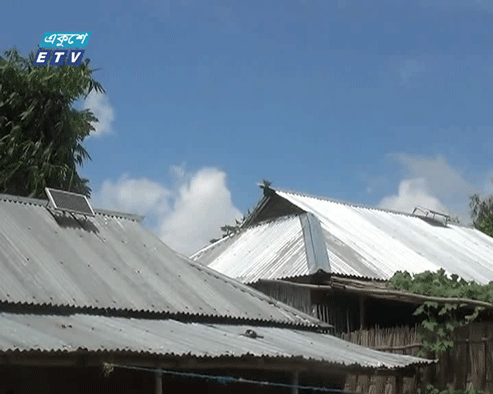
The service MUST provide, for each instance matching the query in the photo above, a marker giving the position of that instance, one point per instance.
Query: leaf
(419, 310)
(472, 317)
(430, 325)
(448, 344)
(443, 311)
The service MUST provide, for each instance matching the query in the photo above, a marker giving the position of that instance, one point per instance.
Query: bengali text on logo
(58, 49)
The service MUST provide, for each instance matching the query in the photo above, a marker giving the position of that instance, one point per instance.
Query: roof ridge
(43, 203)
(355, 205)
(342, 202)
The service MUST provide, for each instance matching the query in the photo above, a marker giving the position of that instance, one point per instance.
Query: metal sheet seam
(280, 192)
(316, 249)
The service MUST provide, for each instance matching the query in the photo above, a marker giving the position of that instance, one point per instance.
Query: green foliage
(107, 369)
(439, 320)
(438, 284)
(41, 133)
(482, 213)
(228, 230)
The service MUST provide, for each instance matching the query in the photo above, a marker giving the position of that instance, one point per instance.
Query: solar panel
(431, 219)
(439, 213)
(69, 202)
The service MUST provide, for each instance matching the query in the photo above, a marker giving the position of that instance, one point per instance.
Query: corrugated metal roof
(22, 332)
(377, 243)
(360, 241)
(273, 250)
(112, 262)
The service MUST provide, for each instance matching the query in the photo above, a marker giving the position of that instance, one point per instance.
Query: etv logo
(60, 55)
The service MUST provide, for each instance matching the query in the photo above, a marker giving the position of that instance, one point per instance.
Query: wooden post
(399, 384)
(296, 380)
(158, 378)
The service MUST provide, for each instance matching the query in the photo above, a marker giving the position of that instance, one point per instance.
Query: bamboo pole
(401, 347)
(382, 293)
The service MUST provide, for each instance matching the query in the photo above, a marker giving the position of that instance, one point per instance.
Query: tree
(482, 213)
(41, 133)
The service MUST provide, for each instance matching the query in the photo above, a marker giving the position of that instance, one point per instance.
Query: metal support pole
(158, 378)
(296, 382)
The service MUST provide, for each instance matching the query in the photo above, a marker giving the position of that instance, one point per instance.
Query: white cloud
(413, 193)
(178, 172)
(141, 196)
(442, 178)
(100, 106)
(431, 182)
(486, 188)
(201, 207)
(185, 216)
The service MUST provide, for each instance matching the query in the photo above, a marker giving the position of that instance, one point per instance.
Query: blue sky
(386, 103)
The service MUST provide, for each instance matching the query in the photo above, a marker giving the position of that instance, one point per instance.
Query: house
(331, 259)
(90, 301)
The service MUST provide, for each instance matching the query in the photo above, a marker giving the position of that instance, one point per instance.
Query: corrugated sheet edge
(124, 351)
(44, 203)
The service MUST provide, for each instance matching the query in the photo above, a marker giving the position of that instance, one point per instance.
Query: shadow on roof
(68, 221)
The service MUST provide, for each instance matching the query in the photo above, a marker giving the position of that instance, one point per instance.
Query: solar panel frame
(69, 202)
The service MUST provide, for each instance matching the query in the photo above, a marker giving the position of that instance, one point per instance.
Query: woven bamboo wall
(468, 365)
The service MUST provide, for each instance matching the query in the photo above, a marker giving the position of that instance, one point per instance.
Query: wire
(226, 379)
